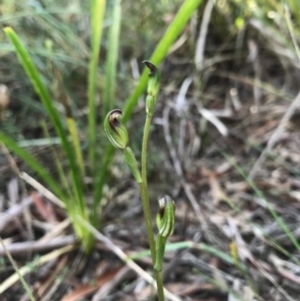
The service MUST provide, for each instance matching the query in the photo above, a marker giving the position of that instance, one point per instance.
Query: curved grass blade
(41, 90)
(44, 95)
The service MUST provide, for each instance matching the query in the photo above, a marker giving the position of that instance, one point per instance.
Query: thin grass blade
(260, 194)
(62, 178)
(44, 95)
(97, 14)
(71, 123)
(33, 164)
(76, 143)
(112, 59)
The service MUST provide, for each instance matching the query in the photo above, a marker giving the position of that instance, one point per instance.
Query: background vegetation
(224, 144)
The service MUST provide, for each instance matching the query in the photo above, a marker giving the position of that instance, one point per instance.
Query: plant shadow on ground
(214, 115)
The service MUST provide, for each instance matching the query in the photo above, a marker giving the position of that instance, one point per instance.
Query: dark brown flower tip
(116, 131)
(151, 67)
(161, 211)
(163, 203)
(114, 118)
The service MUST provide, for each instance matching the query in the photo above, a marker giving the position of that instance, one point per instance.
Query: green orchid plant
(117, 134)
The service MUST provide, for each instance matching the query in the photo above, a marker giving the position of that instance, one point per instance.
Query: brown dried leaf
(45, 209)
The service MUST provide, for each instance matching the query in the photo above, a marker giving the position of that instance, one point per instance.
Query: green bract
(153, 87)
(115, 131)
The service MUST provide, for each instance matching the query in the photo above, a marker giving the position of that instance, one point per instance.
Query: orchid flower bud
(115, 131)
(165, 223)
(166, 216)
(153, 87)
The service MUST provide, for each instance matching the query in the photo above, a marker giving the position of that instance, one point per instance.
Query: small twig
(26, 213)
(276, 135)
(254, 59)
(38, 246)
(58, 229)
(179, 171)
(10, 214)
(126, 259)
(43, 190)
(213, 119)
(180, 107)
(199, 52)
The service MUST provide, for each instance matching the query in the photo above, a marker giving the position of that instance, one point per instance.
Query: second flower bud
(115, 131)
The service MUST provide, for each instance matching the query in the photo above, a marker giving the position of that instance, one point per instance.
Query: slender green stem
(144, 188)
(147, 214)
(144, 152)
(146, 206)
(160, 286)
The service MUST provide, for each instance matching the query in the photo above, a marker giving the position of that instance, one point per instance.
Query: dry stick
(276, 135)
(99, 236)
(179, 172)
(199, 53)
(10, 214)
(58, 229)
(254, 59)
(26, 213)
(180, 107)
(43, 190)
(38, 246)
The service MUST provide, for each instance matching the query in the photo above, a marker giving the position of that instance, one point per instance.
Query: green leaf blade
(97, 15)
(44, 95)
(112, 59)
